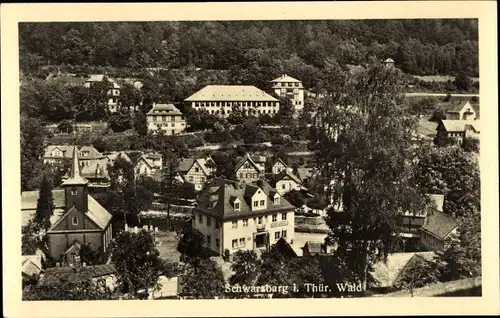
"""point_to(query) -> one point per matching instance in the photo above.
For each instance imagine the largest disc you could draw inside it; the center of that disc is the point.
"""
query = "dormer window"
(276, 200)
(74, 191)
(236, 206)
(74, 220)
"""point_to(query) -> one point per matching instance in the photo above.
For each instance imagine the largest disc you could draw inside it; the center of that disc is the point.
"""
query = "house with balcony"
(195, 171)
(287, 86)
(237, 216)
(250, 168)
(165, 118)
(222, 100)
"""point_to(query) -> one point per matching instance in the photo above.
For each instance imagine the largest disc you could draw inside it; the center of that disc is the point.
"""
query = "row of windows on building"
(295, 91)
(165, 118)
(231, 104)
(257, 220)
(241, 242)
(165, 125)
(191, 178)
(227, 112)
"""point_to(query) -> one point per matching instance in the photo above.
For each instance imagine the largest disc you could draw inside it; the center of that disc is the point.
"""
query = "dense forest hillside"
(419, 47)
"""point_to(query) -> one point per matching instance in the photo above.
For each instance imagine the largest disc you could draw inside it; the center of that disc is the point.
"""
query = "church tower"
(75, 187)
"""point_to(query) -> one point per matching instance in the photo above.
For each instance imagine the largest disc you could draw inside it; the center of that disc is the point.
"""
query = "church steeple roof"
(74, 176)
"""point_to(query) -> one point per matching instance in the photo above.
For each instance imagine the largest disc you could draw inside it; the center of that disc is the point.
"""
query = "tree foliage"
(453, 172)
(260, 49)
(137, 262)
(32, 150)
(66, 290)
(45, 203)
(205, 280)
(461, 257)
(365, 153)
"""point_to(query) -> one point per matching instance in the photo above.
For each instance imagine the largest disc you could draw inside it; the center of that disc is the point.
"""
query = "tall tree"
(191, 247)
(170, 181)
(140, 124)
(32, 151)
(364, 157)
(137, 262)
(45, 203)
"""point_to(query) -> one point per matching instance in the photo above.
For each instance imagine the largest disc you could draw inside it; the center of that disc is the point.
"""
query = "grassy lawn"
(167, 245)
(427, 128)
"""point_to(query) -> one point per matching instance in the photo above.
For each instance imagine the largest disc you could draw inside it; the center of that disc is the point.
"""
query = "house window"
(196, 169)
(242, 241)
(217, 242)
(283, 234)
(202, 179)
(277, 235)
(241, 175)
(255, 175)
(74, 191)
(262, 202)
(209, 221)
(245, 223)
(275, 217)
(236, 206)
(235, 224)
(217, 224)
(283, 186)
(249, 175)
(200, 219)
(283, 216)
(277, 200)
(260, 220)
(74, 220)
(235, 243)
(209, 240)
(191, 179)
(255, 204)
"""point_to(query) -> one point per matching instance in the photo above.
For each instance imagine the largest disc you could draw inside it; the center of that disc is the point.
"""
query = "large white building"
(235, 216)
(287, 86)
(222, 100)
(167, 118)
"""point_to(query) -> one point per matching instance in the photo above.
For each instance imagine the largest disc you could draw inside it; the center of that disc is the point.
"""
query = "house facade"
(287, 86)
(166, 118)
(458, 129)
(237, 216)
(286, 181)
(195, 171)
(148, 164)
(461, 111)
(83, 222)
(247, 170)
(222, 100)
(278, 166)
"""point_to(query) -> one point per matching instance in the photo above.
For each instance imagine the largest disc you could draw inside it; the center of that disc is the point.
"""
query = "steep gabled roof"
(456, 107)
(287, 173)
(439, 224)
(246, 158)
(281, 161)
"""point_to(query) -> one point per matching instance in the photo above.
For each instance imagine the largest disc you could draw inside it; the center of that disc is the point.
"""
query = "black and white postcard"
(339, 155)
